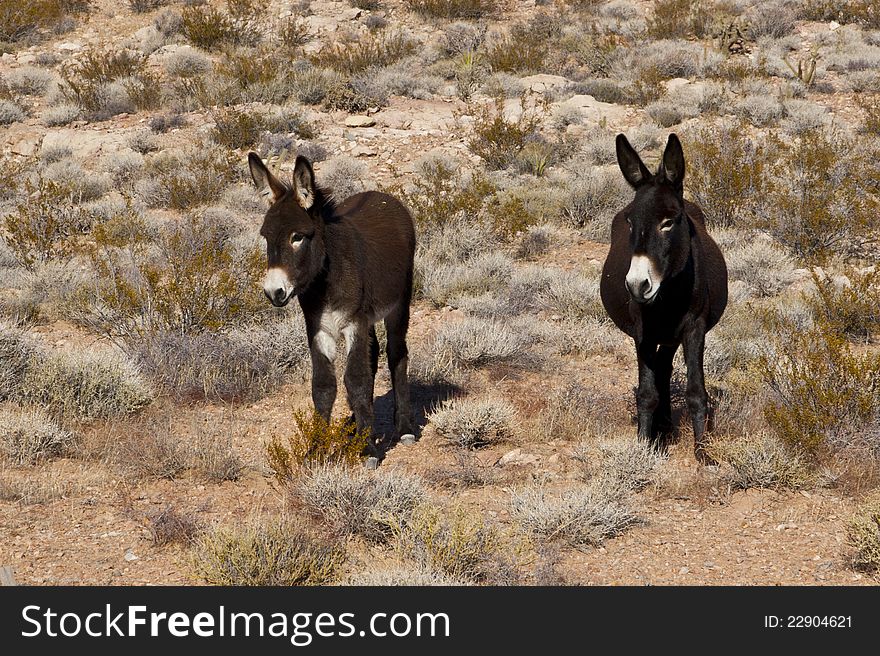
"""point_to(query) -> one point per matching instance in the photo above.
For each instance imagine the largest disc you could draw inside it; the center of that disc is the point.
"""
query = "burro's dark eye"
(666, 224)
(296, 238)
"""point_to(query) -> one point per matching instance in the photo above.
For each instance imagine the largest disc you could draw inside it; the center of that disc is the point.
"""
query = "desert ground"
(155, 422)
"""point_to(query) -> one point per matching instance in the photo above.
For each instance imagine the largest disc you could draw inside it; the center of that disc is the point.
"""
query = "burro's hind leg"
(697, 398)
(359, 377)
(396, 325)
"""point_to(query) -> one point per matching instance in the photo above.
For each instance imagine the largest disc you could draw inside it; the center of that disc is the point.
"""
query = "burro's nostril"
(644, 287)
(280, 295)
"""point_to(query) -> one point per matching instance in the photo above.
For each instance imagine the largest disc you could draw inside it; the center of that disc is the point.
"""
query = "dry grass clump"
(238, 365)
(17, 351)
(154, 447)
(584, 517)
(591, 201)
(355, 501)
(258, 554)
(401, 574)
(30, 436)
(762, 264)
(760, 460)
(458, 543)
(863, 534)
(172, 526)
(315, 442)
(565, 417)
(371, 51)
(22, 20)
(33, 487)
(85, 385)
(573, 295)
(194, 176)
(625, 464)
(476, 342)
(474, 423)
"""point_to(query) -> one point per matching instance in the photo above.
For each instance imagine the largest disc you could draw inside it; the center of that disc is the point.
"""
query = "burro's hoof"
(372, 463)
(407, 439)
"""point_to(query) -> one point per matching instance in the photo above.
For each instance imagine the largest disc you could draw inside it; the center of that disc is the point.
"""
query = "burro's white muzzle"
(642, 280)
(277, 287)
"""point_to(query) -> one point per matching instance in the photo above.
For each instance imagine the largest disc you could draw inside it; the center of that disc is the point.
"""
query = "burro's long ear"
(304, 182)
(631, 165)
(672, 164)
(267, 184)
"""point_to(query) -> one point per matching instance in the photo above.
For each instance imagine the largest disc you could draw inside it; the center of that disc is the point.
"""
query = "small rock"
(130, 556)
(408, 439)
(359, 121)
(517, 457)
(372, 463)
(352, 14)
(684, 570)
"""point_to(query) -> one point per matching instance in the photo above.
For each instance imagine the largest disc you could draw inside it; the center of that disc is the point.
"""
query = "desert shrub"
(85, 385)
(21, 20)
(11, 112)
(680, 19)
(265, 554)
(452, 9)
(187, 63)
(61, 114)
(401, 574)
(29, 436)
(498, 140)
(625, 464)
(371, 51)
(728, 172)
(314, 442)
(447, 283)
(441, 192)
(584, 517)
(458, 543)
(171, 526)
(237, 365)
(774, 20)
(17, 351)
(819, 388)
(109, 82)
(476, 342)
(344, 177)
(759, 110)
(48, 224)
(210, 28)
(293, 34)
(762, 264)
(863, 534)
(143, 6)
(592, 200)
(848, 11)
(473, 423)
(564, 417)
(194, 279)
(84, 186)
(355, 501)
(760, 460)
(852, 305)
(520, 50)
(822, 197)
(124, 166)
(573, 295)
(191, 177)
(28, 81)
(237, 129)
(32, 487)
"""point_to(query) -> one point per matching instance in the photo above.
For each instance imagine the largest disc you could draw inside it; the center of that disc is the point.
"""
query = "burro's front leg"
(359, 378)
(694, 344)
(323, 351)
(647, 395)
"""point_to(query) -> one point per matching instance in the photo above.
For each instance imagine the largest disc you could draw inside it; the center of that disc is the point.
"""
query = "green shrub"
(267, 554)
(370, 51)
(820, 389)
(853, 308)
(500, 141)
(453, 8)
(863, 534)
(315, 441)
(19, 20)
(193, 280)
(209, 28)
(48, 225)
(680, 19)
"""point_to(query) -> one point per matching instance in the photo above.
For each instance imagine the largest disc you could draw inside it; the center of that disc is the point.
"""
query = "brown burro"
(664, 284)
(350, 265)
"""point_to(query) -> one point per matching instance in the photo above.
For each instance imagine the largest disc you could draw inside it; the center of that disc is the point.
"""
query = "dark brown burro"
(350, 265)
(664, 283)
